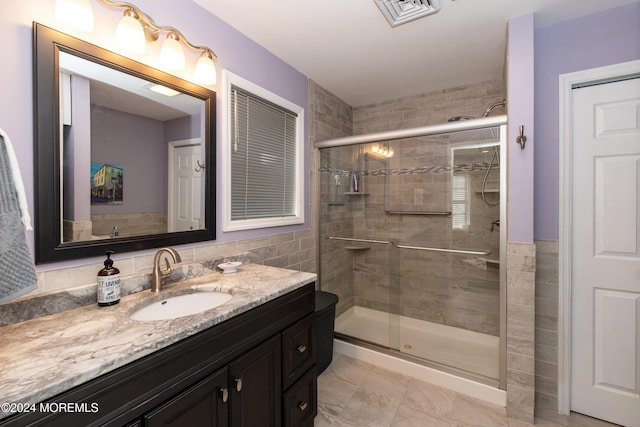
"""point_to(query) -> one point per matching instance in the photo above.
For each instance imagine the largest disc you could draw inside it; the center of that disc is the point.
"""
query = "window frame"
(230, 79)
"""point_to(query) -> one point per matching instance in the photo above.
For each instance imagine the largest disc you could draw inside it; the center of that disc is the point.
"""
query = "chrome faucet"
(158, 273)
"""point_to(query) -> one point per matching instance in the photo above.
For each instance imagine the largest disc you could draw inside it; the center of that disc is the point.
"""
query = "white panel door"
(605, 270)
(187, 182)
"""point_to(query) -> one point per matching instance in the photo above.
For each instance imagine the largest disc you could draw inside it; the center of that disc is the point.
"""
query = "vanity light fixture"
(135, 30)
(171, 53)
(130, 34)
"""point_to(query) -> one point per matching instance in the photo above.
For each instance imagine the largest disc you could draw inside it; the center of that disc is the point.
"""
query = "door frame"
(567, 82)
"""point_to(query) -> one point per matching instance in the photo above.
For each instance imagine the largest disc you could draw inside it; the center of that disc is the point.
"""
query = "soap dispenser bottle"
(108, 283)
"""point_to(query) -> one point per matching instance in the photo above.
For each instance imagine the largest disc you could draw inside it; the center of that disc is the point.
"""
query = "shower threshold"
(447, 347)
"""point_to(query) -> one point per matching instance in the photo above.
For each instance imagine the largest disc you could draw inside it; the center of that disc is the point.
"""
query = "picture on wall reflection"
(106, 184)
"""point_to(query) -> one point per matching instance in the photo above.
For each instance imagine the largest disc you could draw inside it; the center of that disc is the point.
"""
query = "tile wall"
(546, 347)
(331, 118)
(521, 383)
(296, 251)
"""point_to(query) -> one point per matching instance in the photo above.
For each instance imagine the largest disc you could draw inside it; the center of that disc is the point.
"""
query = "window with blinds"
(264, 155)
(460, 202)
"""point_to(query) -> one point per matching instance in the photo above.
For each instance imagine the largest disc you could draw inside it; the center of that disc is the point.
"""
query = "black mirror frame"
(49, 247)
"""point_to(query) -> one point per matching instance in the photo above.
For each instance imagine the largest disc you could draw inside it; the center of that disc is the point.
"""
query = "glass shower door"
(354, 254)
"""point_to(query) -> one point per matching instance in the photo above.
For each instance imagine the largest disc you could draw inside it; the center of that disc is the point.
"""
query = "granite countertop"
(43, 357)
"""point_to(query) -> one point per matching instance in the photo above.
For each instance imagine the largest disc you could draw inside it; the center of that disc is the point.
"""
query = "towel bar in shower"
(422, 248)
(426, 213)
(455, 251)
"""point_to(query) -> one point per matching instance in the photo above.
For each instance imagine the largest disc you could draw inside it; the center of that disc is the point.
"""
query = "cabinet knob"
(238, 384)
(302, 406)
(224, 394)
(302, 349)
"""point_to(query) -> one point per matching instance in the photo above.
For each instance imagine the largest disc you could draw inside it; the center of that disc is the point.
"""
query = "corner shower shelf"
(357, 248)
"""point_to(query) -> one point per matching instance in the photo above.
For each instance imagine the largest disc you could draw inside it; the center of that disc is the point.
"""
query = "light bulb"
(171, 54)
(130, 34)
(75, 13)
(205, 73)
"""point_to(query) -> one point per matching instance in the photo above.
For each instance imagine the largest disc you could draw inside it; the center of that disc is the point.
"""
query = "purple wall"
(604, 38)
(138, 145)
(235, 51)
(520, 110)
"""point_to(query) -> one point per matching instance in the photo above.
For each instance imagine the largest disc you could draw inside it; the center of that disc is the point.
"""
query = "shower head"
(497, 104)
(485, 114)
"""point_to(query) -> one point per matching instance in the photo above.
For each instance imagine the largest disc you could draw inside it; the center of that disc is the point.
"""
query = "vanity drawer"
(301, 401)
(298, 350)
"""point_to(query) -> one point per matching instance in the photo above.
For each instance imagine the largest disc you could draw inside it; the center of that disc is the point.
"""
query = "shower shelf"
(357, 248)
(353, 239)
(355, 193)
(490, 190)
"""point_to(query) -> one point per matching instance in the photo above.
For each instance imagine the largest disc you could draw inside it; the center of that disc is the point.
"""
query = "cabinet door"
(255, 382)
(204, 404)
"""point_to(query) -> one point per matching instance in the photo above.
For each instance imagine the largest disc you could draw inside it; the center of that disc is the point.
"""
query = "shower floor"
(471, 351)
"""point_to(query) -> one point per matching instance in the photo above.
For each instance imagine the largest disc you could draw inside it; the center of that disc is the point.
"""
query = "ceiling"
(349, 48)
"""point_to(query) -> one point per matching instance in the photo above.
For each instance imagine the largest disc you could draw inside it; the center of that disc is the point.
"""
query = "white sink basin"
(181, 305)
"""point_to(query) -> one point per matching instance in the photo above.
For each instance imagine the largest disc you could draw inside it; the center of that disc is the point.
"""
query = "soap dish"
(229, 267)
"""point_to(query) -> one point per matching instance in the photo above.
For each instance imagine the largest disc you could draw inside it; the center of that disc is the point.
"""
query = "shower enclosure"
(411, 231)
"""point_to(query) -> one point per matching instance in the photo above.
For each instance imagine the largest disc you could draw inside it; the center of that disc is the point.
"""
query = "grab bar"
(455, 251)
(422, 248)
(350, 239)
(443, 213)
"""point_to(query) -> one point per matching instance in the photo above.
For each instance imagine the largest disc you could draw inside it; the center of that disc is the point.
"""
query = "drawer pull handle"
(224, 393)
(238, 384)
(302, 406)
(302, 349)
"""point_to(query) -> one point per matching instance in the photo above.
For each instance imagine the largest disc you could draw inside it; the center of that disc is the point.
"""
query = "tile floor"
(355, 393)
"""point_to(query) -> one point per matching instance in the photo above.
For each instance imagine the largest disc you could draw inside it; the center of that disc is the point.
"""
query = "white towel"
(18, 272)
(17, 181)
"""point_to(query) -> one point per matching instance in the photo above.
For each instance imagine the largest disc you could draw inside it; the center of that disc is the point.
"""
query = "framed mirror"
(124, 153)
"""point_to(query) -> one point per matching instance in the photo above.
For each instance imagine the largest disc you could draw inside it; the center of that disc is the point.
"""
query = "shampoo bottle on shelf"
(355, 182)
(108, 283)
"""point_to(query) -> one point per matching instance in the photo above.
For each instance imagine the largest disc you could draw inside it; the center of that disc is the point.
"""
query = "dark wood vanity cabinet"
(204, 404)
(255, 369)
(244, 393)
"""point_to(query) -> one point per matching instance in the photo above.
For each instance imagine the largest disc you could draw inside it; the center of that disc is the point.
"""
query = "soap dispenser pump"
(108, 283)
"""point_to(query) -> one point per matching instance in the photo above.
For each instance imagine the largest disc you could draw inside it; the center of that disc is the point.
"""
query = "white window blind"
(460, 202)
(263, 158)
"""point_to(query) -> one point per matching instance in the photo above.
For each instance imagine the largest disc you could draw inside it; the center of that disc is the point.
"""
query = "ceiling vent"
(401, 11)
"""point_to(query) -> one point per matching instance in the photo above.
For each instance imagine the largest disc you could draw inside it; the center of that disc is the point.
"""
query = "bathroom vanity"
(250, 361)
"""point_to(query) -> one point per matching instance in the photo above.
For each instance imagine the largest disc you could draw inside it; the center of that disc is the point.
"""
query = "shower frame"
(450, 127)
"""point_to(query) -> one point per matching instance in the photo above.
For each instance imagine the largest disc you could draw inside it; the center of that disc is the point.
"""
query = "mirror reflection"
(132, 154)
(118, 165)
